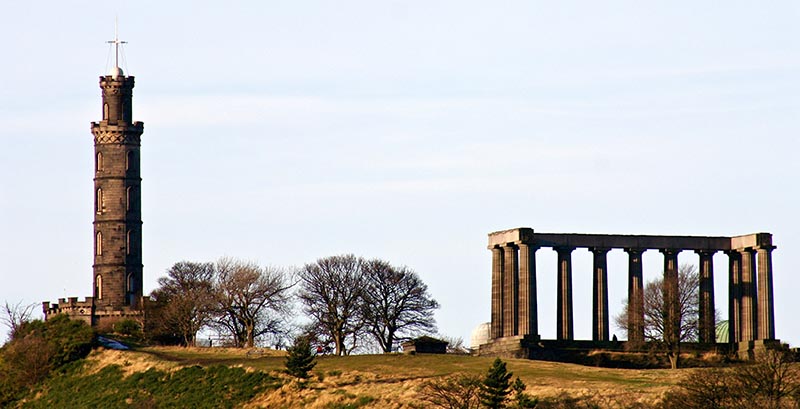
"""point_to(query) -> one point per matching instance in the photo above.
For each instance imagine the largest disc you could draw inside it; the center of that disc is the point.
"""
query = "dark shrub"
(300, 360)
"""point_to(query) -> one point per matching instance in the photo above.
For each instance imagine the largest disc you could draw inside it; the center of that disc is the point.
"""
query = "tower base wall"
(100, 318)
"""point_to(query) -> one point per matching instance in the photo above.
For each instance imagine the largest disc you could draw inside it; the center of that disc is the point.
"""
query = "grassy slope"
(386, 381)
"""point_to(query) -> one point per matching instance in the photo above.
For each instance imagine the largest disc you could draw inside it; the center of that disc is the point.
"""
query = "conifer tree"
(300, 360)
(522, 399)
(496, 386)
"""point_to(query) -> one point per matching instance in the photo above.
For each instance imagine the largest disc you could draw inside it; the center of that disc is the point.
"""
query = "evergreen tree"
(522, 399)
(496, 386)
(300, 360)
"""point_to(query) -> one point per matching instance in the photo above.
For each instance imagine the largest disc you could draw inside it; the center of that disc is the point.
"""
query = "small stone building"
(424, 345)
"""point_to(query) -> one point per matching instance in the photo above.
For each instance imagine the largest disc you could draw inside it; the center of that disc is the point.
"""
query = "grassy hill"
(220, 377)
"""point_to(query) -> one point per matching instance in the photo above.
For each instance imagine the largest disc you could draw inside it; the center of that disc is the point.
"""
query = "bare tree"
(251, 301)
(455, 345)
(704, 389)
(396, 304)
(657, 307)
(459, 391)
(331, 292)
(14, 315)
(771, 381)
(185, 299)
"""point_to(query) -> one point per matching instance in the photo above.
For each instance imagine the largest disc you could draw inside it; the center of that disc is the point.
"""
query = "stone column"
(766, 306)
(528, 309)
(672, 320)
(707, 331)
(510, 290)
(734, 296)
(635, 295)
(600, 294)
(497, 293)
(749, 308)
(564, 296)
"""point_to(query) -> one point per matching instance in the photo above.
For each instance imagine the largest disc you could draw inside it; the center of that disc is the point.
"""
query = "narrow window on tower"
(99, 201)
(128, 289)
(98, 287)
(98, 244)
(99, 162)
(128, 242)
(129, 161)
(131, 285)
(128, 199)
(105, 112)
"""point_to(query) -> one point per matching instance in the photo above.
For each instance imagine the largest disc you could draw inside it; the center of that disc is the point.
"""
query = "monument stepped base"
(598, 352)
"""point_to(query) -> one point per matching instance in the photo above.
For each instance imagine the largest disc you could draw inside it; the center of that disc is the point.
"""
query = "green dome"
(722, 332)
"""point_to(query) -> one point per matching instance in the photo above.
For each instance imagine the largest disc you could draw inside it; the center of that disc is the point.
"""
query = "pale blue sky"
(407, 130)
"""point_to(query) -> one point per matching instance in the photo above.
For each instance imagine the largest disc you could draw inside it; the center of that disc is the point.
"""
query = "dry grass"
(129, 361)
(393, 381)
(357, 389)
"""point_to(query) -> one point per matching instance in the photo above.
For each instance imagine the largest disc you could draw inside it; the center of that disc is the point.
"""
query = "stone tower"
(117, 264)
(117, 261)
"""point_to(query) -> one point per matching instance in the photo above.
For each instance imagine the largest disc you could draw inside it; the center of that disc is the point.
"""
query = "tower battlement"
(73, 308)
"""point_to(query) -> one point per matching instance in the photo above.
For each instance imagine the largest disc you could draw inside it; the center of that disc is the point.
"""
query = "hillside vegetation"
(167, 377)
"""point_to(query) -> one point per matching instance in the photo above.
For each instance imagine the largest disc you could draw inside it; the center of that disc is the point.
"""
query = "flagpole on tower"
(116, 41)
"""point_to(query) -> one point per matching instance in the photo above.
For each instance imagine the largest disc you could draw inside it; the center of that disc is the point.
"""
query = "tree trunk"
(673, 360)
(339, 342)
(389, 341)
(251, 339)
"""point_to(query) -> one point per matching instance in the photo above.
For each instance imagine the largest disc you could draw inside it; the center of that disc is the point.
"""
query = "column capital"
(766, 247)
(706, 252)
(732, 252)
(530, 246)
(501, 246)
(599, 250)
(670, 252)
(635, 250)
(564, 249)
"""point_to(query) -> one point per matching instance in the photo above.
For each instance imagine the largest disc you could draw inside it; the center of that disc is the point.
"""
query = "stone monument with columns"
(514, 323)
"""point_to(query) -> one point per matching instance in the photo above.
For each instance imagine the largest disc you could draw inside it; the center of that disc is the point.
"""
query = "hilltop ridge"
(222, 377)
